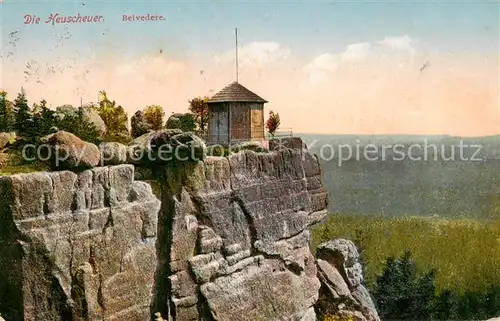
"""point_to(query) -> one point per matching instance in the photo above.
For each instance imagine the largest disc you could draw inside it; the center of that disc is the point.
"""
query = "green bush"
(78, 125)
(401, 294)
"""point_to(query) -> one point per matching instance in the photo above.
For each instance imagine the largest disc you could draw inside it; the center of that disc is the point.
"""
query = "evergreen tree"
(78, 125)
(6, 118)
(43, 119)
(401, 294)
(22, 113)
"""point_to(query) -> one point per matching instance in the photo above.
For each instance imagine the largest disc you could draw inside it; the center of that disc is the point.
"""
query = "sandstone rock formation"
(77, 246)
(228, 240)
(238, 248)
(342, 291)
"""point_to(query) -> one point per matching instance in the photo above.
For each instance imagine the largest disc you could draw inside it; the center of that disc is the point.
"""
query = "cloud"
(403, 43)
(356, 52)
(256, 53)
(320, 67)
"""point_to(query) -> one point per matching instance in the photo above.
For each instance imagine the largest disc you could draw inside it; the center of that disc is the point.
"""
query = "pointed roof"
(235, 92)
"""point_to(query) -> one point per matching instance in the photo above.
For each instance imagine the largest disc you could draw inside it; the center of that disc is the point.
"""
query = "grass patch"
(464, 252)
(21, 169)
(13, 163)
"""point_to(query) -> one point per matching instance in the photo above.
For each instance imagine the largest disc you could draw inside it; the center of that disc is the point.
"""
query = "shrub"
(401, 294)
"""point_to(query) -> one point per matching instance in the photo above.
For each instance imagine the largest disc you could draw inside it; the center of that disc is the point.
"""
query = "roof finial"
(236, 34)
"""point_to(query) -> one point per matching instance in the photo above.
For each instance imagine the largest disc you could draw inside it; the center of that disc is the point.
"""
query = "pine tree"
(22, 113)
(401, 294)
(5, 113)
(43, 119)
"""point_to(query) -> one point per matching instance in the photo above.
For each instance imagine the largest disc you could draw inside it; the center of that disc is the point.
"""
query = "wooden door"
(223, 125)
(219, 124)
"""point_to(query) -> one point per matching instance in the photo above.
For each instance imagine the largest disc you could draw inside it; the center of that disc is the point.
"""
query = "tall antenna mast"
(236, 33)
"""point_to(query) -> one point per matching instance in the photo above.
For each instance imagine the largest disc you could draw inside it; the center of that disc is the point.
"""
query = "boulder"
(66, 110)
(139, 125)
(165, 146)
(174, 121)
(239, 237)
(342, 285)
(185, 122)
(92, 116)
(6, 139)
(113, 153)
(63, 150)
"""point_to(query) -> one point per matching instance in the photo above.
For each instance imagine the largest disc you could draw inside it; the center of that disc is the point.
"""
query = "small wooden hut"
(235, 115)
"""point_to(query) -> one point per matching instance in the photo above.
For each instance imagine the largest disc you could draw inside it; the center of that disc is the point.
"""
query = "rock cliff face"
(77, 246)
(228, 240)
(238, 247)
(342, 290)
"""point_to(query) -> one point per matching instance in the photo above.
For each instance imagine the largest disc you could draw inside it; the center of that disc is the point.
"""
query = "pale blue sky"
(200, 28)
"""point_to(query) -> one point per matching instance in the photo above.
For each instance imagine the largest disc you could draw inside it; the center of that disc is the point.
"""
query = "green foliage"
(185, 122)
(114, 116)
(22, 113)
(33, 124)
(467, 306)
(461, 255)
(188, 122)
(42, 120)
(18, 165)
(6, 113)
(401, 294)
(450, 246)
(78, 125)
(199, 108)
(153, 115)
